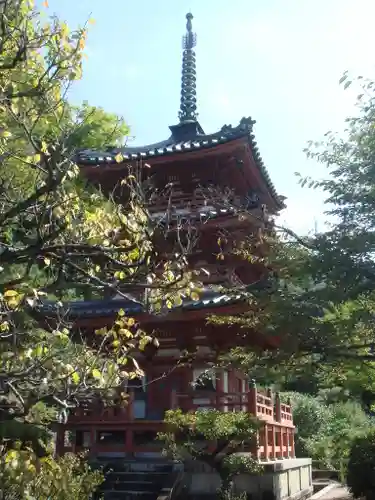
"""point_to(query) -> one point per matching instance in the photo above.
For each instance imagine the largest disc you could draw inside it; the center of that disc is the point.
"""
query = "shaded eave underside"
(170, 147)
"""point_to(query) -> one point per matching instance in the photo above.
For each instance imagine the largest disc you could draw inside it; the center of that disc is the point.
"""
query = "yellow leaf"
(11, 455)
(10, 293)
(96, 373)
(131, 322)
(144, 341)
(36, 158)
(194, 296)
(169, 304)
(121, 312)
(91, 21)
(126, 333)
(178, 301)
(116, 343)
(119, 158)
(101, 331)
(13, 303)
(4, 326)
(76, 378)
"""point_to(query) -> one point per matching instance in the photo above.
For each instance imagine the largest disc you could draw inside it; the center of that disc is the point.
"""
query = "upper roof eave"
(170, 147)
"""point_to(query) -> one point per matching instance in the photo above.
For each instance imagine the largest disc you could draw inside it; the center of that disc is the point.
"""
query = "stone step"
(130, 495)
(133, 466)
(325, 474)
(139, 474)
(127, 480)
(134, 479)
(133, 487)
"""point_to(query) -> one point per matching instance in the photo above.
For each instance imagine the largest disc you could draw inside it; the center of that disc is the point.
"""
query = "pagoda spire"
(188, 105)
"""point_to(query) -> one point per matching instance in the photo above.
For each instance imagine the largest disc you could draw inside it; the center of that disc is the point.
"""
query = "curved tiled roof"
(194, 140)
(208, 299)
(98, 308)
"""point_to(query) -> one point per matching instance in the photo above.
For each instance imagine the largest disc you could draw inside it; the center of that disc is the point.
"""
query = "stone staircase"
(134, 480)
(321, 478)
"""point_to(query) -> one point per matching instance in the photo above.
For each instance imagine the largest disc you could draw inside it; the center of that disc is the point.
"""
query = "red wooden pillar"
(188, 387)
(129, 440)
(74, 440)
(252, 399)
(282, 442)
(174, 400)
(287, 434)
(277, 408)
(273, 453)
(266, 448)
(293, 453)
(130, 407)
(219, 391)
(59, 446)
(92, 439)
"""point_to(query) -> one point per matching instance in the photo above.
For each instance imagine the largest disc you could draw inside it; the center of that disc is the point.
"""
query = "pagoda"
(212, 175)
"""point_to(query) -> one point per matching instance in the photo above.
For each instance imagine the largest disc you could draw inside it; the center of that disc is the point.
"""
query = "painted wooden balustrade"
(276, 436)
(275, 439)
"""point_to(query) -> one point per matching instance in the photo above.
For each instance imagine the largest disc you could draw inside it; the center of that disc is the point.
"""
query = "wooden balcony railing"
(265, 406)
(275, 438)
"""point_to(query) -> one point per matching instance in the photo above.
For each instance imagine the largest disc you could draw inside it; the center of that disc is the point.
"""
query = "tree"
(215, 438)
(60, 238)
(321, 308)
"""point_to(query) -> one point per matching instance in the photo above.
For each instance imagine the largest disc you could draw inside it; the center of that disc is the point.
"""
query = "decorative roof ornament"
(188, 105)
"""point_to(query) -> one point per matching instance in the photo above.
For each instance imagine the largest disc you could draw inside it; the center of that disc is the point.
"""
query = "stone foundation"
(281, 480)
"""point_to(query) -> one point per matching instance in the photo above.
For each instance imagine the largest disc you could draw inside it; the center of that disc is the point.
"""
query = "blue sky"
(278, 61)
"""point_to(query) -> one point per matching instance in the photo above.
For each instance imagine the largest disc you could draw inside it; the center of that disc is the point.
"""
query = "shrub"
(309, 416)
(361, 466)
(326, 432)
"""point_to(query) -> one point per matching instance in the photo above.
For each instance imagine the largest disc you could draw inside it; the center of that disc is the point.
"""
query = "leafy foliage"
(215, 438)
(67, 478)
(361, 466)
(325, 431)
(321, 308)
(61, 239)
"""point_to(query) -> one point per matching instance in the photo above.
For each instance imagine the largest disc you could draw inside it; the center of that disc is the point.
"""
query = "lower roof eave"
(99, 321)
